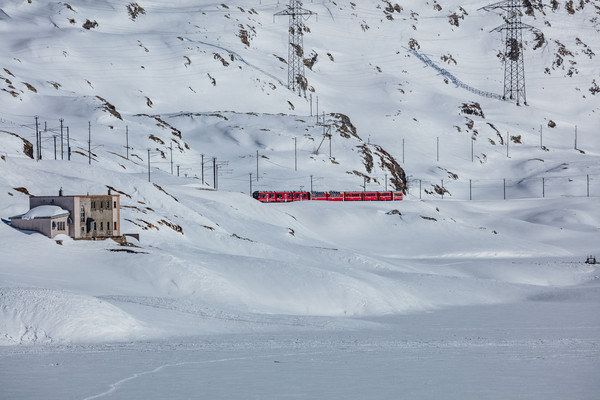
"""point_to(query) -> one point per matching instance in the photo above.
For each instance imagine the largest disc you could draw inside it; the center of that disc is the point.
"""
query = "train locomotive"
(287, 197)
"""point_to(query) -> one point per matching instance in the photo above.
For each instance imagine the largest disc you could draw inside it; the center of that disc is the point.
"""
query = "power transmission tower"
(296, 80)
(514, 66)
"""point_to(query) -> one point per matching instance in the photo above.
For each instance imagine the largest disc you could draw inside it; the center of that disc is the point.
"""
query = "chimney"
(60, 192)
(109, 193)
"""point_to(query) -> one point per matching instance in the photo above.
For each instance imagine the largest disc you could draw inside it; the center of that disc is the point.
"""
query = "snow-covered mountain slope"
(195, 81)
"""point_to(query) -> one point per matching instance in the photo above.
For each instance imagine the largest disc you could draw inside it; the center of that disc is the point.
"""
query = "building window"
(101, 226)
(53, 225)
(93, 205)
(114, 204)
(94, 226)
(101, 204)
(107, 204)
(115, 226)
(82, 214)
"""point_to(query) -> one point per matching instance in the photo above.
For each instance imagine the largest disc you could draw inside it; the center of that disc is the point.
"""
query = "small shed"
(47, 219)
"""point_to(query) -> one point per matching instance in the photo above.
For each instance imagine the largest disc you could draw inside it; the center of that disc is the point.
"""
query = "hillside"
(474, 286)
(187, 84)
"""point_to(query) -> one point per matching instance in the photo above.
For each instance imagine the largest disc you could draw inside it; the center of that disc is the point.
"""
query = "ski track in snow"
(114, 387)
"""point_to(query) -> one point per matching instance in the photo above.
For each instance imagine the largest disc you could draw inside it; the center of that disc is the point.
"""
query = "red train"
(286, 197)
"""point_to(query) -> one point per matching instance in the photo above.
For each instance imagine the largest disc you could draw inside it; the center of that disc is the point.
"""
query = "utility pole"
(250, 183)
(215, 172)
(68, 145)
(575, 137)
(148, 165)
(311, 183)
(90, 147)
(45, 130)
(203, 169)
(326, 134)
(37, 139)
(127, 140)
(329, 141)
(256, 165)
(588, 185)
(62, 155)
(296, 80)
(442, 189)
(470, 190)
(171, 148)
(514, 66)
(402, 150)
(295, 155)
(54, 136)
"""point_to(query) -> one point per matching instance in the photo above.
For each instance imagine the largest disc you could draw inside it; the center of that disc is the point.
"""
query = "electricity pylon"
(296, 80)
(514, 66)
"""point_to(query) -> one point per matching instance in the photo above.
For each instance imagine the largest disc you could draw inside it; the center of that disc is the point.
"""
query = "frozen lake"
(546, 348)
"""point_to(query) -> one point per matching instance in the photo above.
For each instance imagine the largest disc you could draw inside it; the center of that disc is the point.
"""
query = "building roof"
(43, 212)
(75, 195)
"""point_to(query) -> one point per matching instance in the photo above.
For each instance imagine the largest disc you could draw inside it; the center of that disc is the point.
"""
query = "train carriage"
(318, 196)
(353, 196)
(286, 197)
(335, 196)
(370, 196)
(385, 196)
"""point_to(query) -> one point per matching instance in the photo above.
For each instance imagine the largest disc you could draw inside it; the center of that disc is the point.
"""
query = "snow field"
(227, 298)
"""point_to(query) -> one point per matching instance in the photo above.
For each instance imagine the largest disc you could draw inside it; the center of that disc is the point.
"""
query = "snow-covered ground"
(225, 297)
(545, 348)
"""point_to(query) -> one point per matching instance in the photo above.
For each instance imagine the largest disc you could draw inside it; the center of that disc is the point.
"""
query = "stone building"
(88, 216)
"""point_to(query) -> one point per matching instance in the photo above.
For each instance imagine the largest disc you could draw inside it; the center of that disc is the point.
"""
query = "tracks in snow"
(427, 61)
